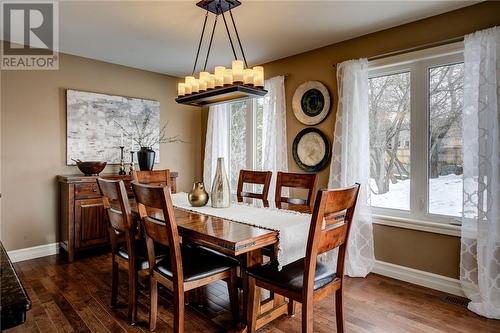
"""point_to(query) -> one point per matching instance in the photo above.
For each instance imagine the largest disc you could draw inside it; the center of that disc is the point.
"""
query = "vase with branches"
(147, 136)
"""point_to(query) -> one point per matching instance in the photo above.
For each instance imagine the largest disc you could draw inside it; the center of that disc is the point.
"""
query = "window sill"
(407, 223)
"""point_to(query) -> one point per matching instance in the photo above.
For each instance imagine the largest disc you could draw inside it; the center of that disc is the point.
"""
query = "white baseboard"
(33, 252)
(418, 277)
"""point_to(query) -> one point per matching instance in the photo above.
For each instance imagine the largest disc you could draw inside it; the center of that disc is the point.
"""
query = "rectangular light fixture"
(221, 95)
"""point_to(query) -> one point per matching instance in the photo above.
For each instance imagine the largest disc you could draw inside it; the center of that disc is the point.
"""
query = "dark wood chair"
(254, 177)
(126, 244)
(185, 267)
(154, 177)
(305, 181)
(307, 280)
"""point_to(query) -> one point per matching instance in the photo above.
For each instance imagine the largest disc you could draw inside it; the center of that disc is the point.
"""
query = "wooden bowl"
(91, 168)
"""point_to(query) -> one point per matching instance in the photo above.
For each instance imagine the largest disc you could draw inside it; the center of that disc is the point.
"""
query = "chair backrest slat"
(158, 218)
(332, 238)
(118, 211)
(330, 224)
(154, 177)
(305, 181)
(254, 177)
(155, 229)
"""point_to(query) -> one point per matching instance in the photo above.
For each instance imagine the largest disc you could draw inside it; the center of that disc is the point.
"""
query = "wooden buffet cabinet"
(82, 222)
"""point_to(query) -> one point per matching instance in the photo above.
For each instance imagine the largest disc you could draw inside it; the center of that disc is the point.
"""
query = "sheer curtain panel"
(351, 160)
(217, 142)
(480, 250)
(274, 143)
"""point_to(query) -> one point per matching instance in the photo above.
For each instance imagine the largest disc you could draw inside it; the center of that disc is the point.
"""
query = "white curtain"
(274, 143)
(217, 142)
(480, 253)
(351, 160)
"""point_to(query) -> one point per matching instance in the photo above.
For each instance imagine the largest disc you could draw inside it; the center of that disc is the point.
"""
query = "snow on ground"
(445, 195)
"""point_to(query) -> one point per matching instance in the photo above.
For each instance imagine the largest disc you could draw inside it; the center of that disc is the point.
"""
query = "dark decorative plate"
(311, 102)
(311, 150)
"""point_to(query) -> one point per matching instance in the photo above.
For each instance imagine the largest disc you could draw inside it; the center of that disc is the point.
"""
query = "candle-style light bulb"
(202, 83)
(204, 75)
(258, 76)
(195, 86)
(237, 70)
(181, 89)
(219, 76)
(211, 82)
(188, 88)
(248, 76)
(228, 77)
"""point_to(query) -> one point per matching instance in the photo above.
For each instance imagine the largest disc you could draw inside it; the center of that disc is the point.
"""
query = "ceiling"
(162, 36)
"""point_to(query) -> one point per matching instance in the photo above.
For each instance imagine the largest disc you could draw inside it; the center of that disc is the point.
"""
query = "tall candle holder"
(132, 164)
(122, 162)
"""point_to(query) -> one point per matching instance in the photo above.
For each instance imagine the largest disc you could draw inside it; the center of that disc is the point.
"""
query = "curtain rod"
(413, 49)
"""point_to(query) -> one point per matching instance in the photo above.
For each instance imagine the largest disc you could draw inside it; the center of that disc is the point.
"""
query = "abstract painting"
(98, 124)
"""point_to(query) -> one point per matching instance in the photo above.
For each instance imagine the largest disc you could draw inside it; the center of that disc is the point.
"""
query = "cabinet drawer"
(86, 191)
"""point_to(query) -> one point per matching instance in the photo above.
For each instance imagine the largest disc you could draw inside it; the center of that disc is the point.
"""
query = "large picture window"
(415, 110)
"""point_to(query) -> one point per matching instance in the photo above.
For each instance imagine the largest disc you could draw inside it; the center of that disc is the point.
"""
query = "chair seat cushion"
(291, 277)
(141, 253)
(197, 263)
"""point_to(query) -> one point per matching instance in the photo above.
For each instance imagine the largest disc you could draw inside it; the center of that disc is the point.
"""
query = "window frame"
(418, 64)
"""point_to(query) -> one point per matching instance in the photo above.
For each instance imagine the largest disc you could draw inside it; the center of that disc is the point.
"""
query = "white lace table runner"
(293, 227)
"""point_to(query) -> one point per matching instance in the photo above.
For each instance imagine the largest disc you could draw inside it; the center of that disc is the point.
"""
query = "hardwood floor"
(75, 298)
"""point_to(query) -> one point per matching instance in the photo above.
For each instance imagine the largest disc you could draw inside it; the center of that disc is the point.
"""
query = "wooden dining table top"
(227, 236)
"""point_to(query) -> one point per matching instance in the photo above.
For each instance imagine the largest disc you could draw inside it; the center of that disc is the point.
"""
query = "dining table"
(244, 241)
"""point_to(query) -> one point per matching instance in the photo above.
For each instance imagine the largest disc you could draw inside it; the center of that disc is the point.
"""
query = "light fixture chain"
(229, 36)
(210, 44)
(199, 44)
(238, 37)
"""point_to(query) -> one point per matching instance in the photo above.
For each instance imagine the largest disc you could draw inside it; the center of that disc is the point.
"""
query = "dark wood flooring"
(75, 298)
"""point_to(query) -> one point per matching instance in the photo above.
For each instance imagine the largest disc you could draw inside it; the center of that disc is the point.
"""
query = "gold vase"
(198, 197)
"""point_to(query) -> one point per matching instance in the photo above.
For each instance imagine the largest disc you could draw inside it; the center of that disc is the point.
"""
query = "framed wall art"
(97, 124)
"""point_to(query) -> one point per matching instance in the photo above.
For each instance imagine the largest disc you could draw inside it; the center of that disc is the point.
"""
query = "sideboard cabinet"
(82, 221)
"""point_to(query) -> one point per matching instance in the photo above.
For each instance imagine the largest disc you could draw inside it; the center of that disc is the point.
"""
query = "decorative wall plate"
(311, 149)
(311, 102)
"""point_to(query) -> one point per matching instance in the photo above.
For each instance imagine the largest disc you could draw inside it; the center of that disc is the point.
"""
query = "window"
(445, 139)
(415, 110)
(245, 139)
(389, 129)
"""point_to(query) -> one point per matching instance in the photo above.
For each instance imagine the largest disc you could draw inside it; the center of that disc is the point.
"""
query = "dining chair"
(308, 280)
(185, 267)
(153, 177)
(126, 244)
(305, 181)
(254, 177)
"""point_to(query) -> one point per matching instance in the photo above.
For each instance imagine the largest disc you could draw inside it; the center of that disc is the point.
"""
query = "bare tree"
(389, 103)
(445, 109)
(389, 119)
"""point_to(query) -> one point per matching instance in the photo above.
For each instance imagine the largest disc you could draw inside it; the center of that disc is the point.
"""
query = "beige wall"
(33, 138)
(439, 253)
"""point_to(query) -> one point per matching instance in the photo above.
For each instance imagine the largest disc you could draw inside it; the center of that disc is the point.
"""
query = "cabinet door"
(90, 223)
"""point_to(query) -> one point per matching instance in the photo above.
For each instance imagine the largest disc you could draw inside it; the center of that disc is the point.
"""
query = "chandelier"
(224, 84)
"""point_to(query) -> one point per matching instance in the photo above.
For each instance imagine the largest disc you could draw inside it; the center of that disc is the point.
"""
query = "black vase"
(146, 158)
